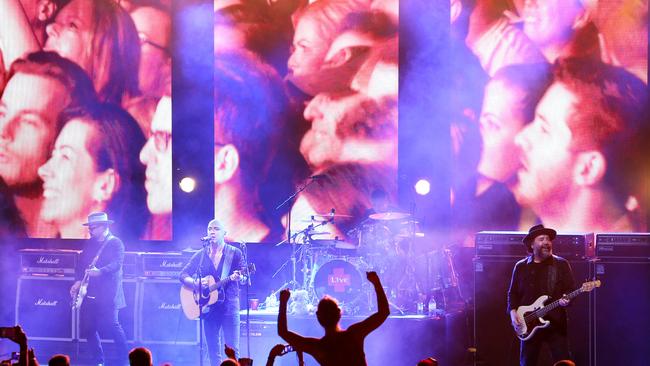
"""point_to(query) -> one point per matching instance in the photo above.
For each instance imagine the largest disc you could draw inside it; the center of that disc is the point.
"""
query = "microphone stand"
(289, 238)
(244, 250)
(199, 273)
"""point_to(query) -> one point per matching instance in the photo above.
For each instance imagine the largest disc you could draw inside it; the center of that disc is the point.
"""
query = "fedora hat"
(98, 218)
(536, 231)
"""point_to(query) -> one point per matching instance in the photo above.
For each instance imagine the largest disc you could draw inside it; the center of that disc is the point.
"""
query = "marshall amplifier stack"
(151, 287)
(508, 244)
(164, 265)
(48, 262)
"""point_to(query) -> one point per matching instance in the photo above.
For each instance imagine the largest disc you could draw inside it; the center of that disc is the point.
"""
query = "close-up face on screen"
(556, 95)
(85, 118)
(317, 135)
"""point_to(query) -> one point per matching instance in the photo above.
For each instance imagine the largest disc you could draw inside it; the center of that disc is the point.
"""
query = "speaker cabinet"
(43, 307)
(621, 312)
(127, 315)
(162, 319)
(496, 343)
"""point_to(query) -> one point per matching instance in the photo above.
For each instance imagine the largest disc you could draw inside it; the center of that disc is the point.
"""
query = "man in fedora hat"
(541, 273)
(101, 260)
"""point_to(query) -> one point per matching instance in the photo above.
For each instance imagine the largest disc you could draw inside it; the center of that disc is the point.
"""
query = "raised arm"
(294, 339)
(16, 34)
(383, 311)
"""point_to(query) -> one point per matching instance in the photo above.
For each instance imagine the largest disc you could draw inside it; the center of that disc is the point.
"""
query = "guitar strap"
(552, 277)
(101, 249)
(227, 262)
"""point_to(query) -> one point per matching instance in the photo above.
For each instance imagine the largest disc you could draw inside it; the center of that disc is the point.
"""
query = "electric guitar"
(533, 313)
(78, 298)
(193, 300)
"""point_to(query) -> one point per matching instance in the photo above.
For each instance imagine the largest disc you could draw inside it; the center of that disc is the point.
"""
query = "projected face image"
(500, 121)
(70, 177)
(548, 22)
(154, 28)
(27, 120)
(156, 155)
(547, 162)
(72, 31)
(321, 144)
(309, 49)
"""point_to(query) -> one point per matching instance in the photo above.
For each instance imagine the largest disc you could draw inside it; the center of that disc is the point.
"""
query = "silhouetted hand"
(32, 358)
(230, 352)
(276, 350)
(285, 295)
(373, 278)
(19, 336)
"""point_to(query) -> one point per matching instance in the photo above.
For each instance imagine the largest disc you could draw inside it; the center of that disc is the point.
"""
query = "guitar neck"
(541, 312)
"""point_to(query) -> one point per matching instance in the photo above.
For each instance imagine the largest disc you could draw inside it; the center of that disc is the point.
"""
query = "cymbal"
(389, 216)
(327, 215)
(318, 233)
(322, 218)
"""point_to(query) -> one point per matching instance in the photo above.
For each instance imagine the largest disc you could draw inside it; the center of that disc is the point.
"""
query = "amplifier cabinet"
(634, 246)
(54, 262)
(161, 316)
(508, 244)
(164, 264)
(44, 308)
(127, 316)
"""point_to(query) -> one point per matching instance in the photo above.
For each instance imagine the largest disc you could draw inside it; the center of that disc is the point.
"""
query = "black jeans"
(557, 342)
(97, 317)
(225, 317)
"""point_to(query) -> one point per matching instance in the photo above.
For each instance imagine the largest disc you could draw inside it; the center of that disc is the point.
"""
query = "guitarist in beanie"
(98, 291)
(541, 273)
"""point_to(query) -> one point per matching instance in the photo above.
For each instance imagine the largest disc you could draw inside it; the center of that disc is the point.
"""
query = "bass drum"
(339, 279)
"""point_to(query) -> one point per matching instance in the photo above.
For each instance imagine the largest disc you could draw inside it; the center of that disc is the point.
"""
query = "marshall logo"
(166, 306)
(43, 302)
(48, 260)
(168, 264)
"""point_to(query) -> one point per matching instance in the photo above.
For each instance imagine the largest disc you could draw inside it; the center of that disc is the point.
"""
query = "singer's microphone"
(332, 212)
(205, 238)
(318, 176)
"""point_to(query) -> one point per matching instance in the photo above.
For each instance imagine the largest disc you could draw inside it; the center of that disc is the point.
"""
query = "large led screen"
(551, 116)
(85, 117)
(305, 98)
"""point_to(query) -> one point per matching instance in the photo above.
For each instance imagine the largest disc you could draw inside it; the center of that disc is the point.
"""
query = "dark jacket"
(531, 280)
(106, 288)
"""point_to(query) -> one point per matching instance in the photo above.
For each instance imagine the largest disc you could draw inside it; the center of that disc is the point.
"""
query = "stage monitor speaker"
(162, 319)
(127, 315)
(43, 307)
(494, 338)
(621, 312)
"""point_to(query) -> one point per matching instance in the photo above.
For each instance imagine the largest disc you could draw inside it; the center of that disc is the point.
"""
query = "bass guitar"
(210, 293)
(533, 313)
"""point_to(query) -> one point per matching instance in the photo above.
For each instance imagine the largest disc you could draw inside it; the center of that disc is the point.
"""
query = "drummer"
(380, 203)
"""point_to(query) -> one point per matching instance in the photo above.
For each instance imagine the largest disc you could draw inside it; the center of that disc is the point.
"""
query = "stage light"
(187, 184)
(422, 187)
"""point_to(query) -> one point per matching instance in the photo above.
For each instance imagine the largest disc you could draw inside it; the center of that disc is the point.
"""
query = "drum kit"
(383, 243)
